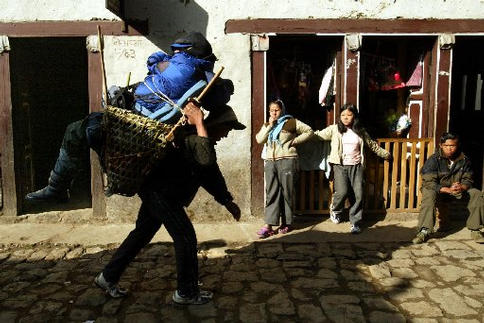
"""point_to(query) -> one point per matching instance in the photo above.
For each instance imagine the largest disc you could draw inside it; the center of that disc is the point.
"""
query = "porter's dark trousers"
(155, 211)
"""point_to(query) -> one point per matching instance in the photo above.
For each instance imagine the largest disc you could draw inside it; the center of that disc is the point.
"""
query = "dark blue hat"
(195, 44)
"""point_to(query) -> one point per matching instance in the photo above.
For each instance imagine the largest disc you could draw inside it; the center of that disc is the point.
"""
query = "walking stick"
(198, 99)
(103, 70)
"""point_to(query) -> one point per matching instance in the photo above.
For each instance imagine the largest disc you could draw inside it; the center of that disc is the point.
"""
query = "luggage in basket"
(133, 145)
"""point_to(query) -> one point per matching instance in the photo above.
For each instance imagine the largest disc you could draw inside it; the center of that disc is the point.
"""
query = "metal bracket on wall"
(92, 43)
(4, 44)
(259, 43)
(446, 41)
(353, 41)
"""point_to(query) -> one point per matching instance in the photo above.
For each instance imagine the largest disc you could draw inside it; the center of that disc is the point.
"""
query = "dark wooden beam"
(72, 28)
(257, 118)
(351, 69)
(295, 26)
(6, 140)
(95, 96)
(443, 91)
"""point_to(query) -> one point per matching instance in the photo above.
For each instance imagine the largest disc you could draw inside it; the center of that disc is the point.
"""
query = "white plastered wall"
(170, 18)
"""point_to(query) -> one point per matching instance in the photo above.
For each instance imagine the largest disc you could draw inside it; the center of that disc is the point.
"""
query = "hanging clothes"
(415, 79)
(327, 87)
(313, 155)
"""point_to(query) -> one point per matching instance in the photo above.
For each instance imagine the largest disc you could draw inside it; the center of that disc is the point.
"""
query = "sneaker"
(202, 297)
(421, 237)
(355, 229)
(265, 232)
(112, 289)
(334, 218)
(283, 229)
(477, 236)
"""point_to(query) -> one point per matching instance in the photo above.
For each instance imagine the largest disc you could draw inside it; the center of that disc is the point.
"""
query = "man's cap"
(195, 44)
(224, 115)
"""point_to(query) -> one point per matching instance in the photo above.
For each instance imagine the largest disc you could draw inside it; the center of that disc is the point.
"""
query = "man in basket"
(164, 89)
(173, 183)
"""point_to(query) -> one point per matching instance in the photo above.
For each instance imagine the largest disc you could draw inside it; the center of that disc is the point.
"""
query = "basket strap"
(165, 114)
(160, 94)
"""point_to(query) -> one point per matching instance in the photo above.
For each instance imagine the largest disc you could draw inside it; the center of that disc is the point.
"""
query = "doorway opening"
(296, 65)
(467, 98)
(394, 84)
(49, 90)
(304, 71)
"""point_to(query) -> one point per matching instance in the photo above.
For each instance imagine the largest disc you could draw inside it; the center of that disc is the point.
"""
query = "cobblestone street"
(276, 280)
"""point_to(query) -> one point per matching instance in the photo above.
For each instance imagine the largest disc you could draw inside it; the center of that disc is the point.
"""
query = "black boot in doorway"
(55, 191)
(59, 182)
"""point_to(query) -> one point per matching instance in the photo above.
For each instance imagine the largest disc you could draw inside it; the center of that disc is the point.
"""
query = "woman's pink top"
(351, 148)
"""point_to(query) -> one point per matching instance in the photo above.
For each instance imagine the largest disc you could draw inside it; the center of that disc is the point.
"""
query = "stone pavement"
(317, 273)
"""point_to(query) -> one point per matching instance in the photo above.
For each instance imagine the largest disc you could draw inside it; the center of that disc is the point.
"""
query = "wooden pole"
(170, 135)
(103, 70)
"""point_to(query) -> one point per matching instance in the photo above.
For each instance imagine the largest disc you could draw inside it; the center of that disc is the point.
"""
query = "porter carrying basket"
(133, 145)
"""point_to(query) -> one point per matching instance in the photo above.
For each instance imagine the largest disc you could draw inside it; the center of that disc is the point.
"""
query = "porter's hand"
(233, 209)
(193, 114)
(195, 117)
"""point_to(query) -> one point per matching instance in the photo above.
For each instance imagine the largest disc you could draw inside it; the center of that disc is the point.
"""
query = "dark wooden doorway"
(49, 90)
(467, 100)
(387, 65)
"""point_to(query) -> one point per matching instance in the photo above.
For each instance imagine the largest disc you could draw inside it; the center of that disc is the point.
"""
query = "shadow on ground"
(271, 280)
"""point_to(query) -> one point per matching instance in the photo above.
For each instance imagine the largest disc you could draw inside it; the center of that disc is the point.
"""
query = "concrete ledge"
(226, 233)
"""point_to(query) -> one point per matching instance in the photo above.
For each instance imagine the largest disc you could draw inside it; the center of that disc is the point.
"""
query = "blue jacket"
(181, 73)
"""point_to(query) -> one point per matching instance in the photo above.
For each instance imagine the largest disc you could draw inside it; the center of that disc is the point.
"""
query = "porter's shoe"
(477, 236)
(111, 288)
(421, 237)
(202, 297)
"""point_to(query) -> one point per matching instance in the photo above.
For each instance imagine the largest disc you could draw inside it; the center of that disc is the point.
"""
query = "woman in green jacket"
(280, 135)
(347, 159)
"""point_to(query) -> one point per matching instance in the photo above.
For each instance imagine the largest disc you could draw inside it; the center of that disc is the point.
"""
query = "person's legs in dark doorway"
(475, 221)
(73, 153)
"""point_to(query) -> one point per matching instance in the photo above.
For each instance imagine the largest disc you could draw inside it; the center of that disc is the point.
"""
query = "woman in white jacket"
(347, 158)
(281, 134)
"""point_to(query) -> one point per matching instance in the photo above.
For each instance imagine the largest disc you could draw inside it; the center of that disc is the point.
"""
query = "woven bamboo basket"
(133, 145)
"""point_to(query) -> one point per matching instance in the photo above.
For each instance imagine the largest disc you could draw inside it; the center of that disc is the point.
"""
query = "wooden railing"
(390, 186)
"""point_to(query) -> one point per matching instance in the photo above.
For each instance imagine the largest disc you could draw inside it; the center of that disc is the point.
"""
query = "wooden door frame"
(53, 29)
(425, 27)
(258, 74)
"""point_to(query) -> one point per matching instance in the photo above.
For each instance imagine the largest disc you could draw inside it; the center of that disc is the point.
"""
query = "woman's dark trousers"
(348, 179)
(280, 176)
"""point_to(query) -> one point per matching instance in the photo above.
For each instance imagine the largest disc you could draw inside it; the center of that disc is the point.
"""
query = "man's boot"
(59, 181)
(55, 191)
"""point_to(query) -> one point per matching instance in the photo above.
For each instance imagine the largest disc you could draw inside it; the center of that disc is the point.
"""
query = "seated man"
(446, 177)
